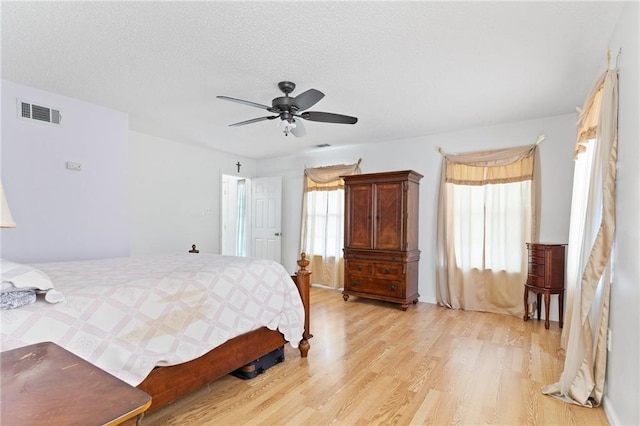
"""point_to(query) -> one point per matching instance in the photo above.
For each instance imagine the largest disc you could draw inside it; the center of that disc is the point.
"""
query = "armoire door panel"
(388, 234)
(359, 217)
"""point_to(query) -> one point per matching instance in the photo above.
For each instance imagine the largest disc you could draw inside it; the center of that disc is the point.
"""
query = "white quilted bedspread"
(128, 315)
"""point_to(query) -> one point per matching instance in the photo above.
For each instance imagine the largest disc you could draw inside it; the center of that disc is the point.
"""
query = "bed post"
(303, 283)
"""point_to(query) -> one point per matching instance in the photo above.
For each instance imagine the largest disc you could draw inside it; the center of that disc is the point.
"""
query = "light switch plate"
(74, 166)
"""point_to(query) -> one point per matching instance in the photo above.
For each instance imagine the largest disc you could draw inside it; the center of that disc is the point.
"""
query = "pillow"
(24, 277)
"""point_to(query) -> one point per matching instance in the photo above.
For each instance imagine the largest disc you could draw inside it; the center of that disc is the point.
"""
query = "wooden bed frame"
(166, 384)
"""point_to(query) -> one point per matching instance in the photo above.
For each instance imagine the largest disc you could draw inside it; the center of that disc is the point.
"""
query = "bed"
(165, 324)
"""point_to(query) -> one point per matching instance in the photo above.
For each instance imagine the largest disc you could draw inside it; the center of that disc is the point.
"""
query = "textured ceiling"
(405, 69)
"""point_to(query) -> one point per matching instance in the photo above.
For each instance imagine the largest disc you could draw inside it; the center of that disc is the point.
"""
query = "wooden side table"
(44, 384)
(545, 277)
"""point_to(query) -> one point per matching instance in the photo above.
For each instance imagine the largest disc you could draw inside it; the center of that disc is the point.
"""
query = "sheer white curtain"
(579, 230)
(322, 236)
(590, 247)
(486, 214)
(325, 236)
(490, 224)
(241, 219)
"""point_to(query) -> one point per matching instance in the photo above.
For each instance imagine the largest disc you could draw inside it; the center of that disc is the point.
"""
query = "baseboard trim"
(609, 412)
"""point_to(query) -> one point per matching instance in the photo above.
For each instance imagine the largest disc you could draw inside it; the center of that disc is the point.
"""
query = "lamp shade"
(6, 220)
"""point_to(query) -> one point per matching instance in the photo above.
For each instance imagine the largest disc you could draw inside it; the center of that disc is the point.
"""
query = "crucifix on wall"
(238, 164)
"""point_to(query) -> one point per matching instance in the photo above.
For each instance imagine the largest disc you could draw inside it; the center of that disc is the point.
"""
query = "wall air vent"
(43, 114)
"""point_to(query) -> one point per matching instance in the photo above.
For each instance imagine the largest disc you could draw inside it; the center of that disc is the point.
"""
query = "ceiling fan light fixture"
(287, 123)
(287, 126)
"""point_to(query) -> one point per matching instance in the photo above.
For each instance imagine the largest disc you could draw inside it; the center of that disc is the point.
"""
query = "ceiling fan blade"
(298, 131)
(307, 99)
(253, 104)
(253, 120)
(327, 117)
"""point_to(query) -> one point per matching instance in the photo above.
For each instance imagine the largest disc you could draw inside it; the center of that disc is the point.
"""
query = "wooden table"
(44, 384)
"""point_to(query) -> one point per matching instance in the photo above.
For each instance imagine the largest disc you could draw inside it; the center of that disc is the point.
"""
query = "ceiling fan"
(289, 109)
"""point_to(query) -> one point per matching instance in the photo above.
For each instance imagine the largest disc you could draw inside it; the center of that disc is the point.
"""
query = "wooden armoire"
(381, 236)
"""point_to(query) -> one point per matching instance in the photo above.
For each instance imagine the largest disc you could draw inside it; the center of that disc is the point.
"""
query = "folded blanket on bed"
(16, 298)
(16, 277)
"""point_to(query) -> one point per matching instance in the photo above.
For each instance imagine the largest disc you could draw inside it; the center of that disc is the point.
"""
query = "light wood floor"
(370, 363)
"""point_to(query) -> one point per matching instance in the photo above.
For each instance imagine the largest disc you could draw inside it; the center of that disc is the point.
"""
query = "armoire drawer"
(380, 287)
(358, 267)
(389, 271)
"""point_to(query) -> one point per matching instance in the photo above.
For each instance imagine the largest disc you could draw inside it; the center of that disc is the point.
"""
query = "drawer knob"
(387, 271)
(393, 288)
(354, 283)
(359, 268)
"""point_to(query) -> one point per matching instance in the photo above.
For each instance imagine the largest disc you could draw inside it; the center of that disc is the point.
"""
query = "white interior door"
(266, 203)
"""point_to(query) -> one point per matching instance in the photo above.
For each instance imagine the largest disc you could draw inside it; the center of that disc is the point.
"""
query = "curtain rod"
(609, 58)
(541, 137)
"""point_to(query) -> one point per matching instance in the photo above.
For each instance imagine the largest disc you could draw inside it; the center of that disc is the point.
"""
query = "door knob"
(278, 234)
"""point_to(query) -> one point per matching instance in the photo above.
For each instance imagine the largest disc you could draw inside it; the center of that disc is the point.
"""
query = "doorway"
(251, 217)
(234, 204)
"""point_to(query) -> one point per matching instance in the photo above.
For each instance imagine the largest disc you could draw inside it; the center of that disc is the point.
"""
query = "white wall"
(175, 194)
(421, 154)
(623, 363)
(63, 214)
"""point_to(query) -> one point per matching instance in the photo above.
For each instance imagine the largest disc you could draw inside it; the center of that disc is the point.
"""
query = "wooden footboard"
(166, 384)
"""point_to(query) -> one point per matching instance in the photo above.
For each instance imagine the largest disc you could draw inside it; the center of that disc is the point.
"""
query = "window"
(322, 233)
(486, 216)
(325, 219)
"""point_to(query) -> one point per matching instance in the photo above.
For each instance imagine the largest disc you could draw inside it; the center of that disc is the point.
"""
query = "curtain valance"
(328, 178)
(491, 167)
